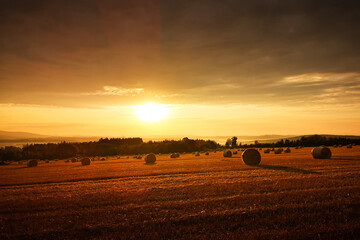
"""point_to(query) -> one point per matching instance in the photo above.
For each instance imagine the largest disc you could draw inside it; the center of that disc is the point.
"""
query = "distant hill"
(270, 138)
(20, 135)
(21, 138)
(294, 138)
(222, 139)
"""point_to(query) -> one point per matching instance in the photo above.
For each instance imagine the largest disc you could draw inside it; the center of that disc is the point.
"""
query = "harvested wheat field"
(288, 196)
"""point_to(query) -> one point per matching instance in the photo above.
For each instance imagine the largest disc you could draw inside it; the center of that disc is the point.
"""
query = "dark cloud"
(262, 39)
(201, 51)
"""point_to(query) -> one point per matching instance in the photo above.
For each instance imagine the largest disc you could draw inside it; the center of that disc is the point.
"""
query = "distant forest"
(305, 141)
(131, 146)
(103, 147)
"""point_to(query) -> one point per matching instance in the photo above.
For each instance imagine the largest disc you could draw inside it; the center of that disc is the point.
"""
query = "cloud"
(111, 90)
(232, 52)
(311, 78)
(305, 90)
(319, 89)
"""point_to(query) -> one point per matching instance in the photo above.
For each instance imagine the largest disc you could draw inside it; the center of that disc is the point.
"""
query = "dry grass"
(288, 196)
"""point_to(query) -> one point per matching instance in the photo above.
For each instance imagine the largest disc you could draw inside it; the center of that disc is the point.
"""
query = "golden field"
(289, 196)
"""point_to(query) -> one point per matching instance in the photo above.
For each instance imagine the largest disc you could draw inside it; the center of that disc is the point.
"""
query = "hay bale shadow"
(150, 164)
(287, 169)
(354, 158)
(18, 167)
(76, 166)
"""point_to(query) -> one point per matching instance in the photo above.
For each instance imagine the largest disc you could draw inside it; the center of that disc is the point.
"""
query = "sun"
(152, 112)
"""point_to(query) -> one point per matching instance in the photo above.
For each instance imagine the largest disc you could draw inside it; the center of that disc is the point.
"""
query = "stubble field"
(289, 196)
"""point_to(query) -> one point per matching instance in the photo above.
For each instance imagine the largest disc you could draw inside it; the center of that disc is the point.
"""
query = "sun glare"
(151, 112)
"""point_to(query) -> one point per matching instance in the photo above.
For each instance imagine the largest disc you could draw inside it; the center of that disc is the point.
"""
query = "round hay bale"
(207, 153)
(73, 160)
(287, 150)
(150, 158)
(197, 154)
(32, 163)
(278, 151)
(227, 153)
(235, 152)
(85, 161)
(251, 157)
(321, 153)
(267, 150)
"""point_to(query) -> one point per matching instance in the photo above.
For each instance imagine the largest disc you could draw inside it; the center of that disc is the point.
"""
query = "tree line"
(306, 141)
(103, 147)
(130, 146)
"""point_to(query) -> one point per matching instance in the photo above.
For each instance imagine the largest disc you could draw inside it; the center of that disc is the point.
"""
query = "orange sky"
(219, 67)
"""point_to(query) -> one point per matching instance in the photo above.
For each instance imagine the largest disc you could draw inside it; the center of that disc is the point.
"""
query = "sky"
(220, 68)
